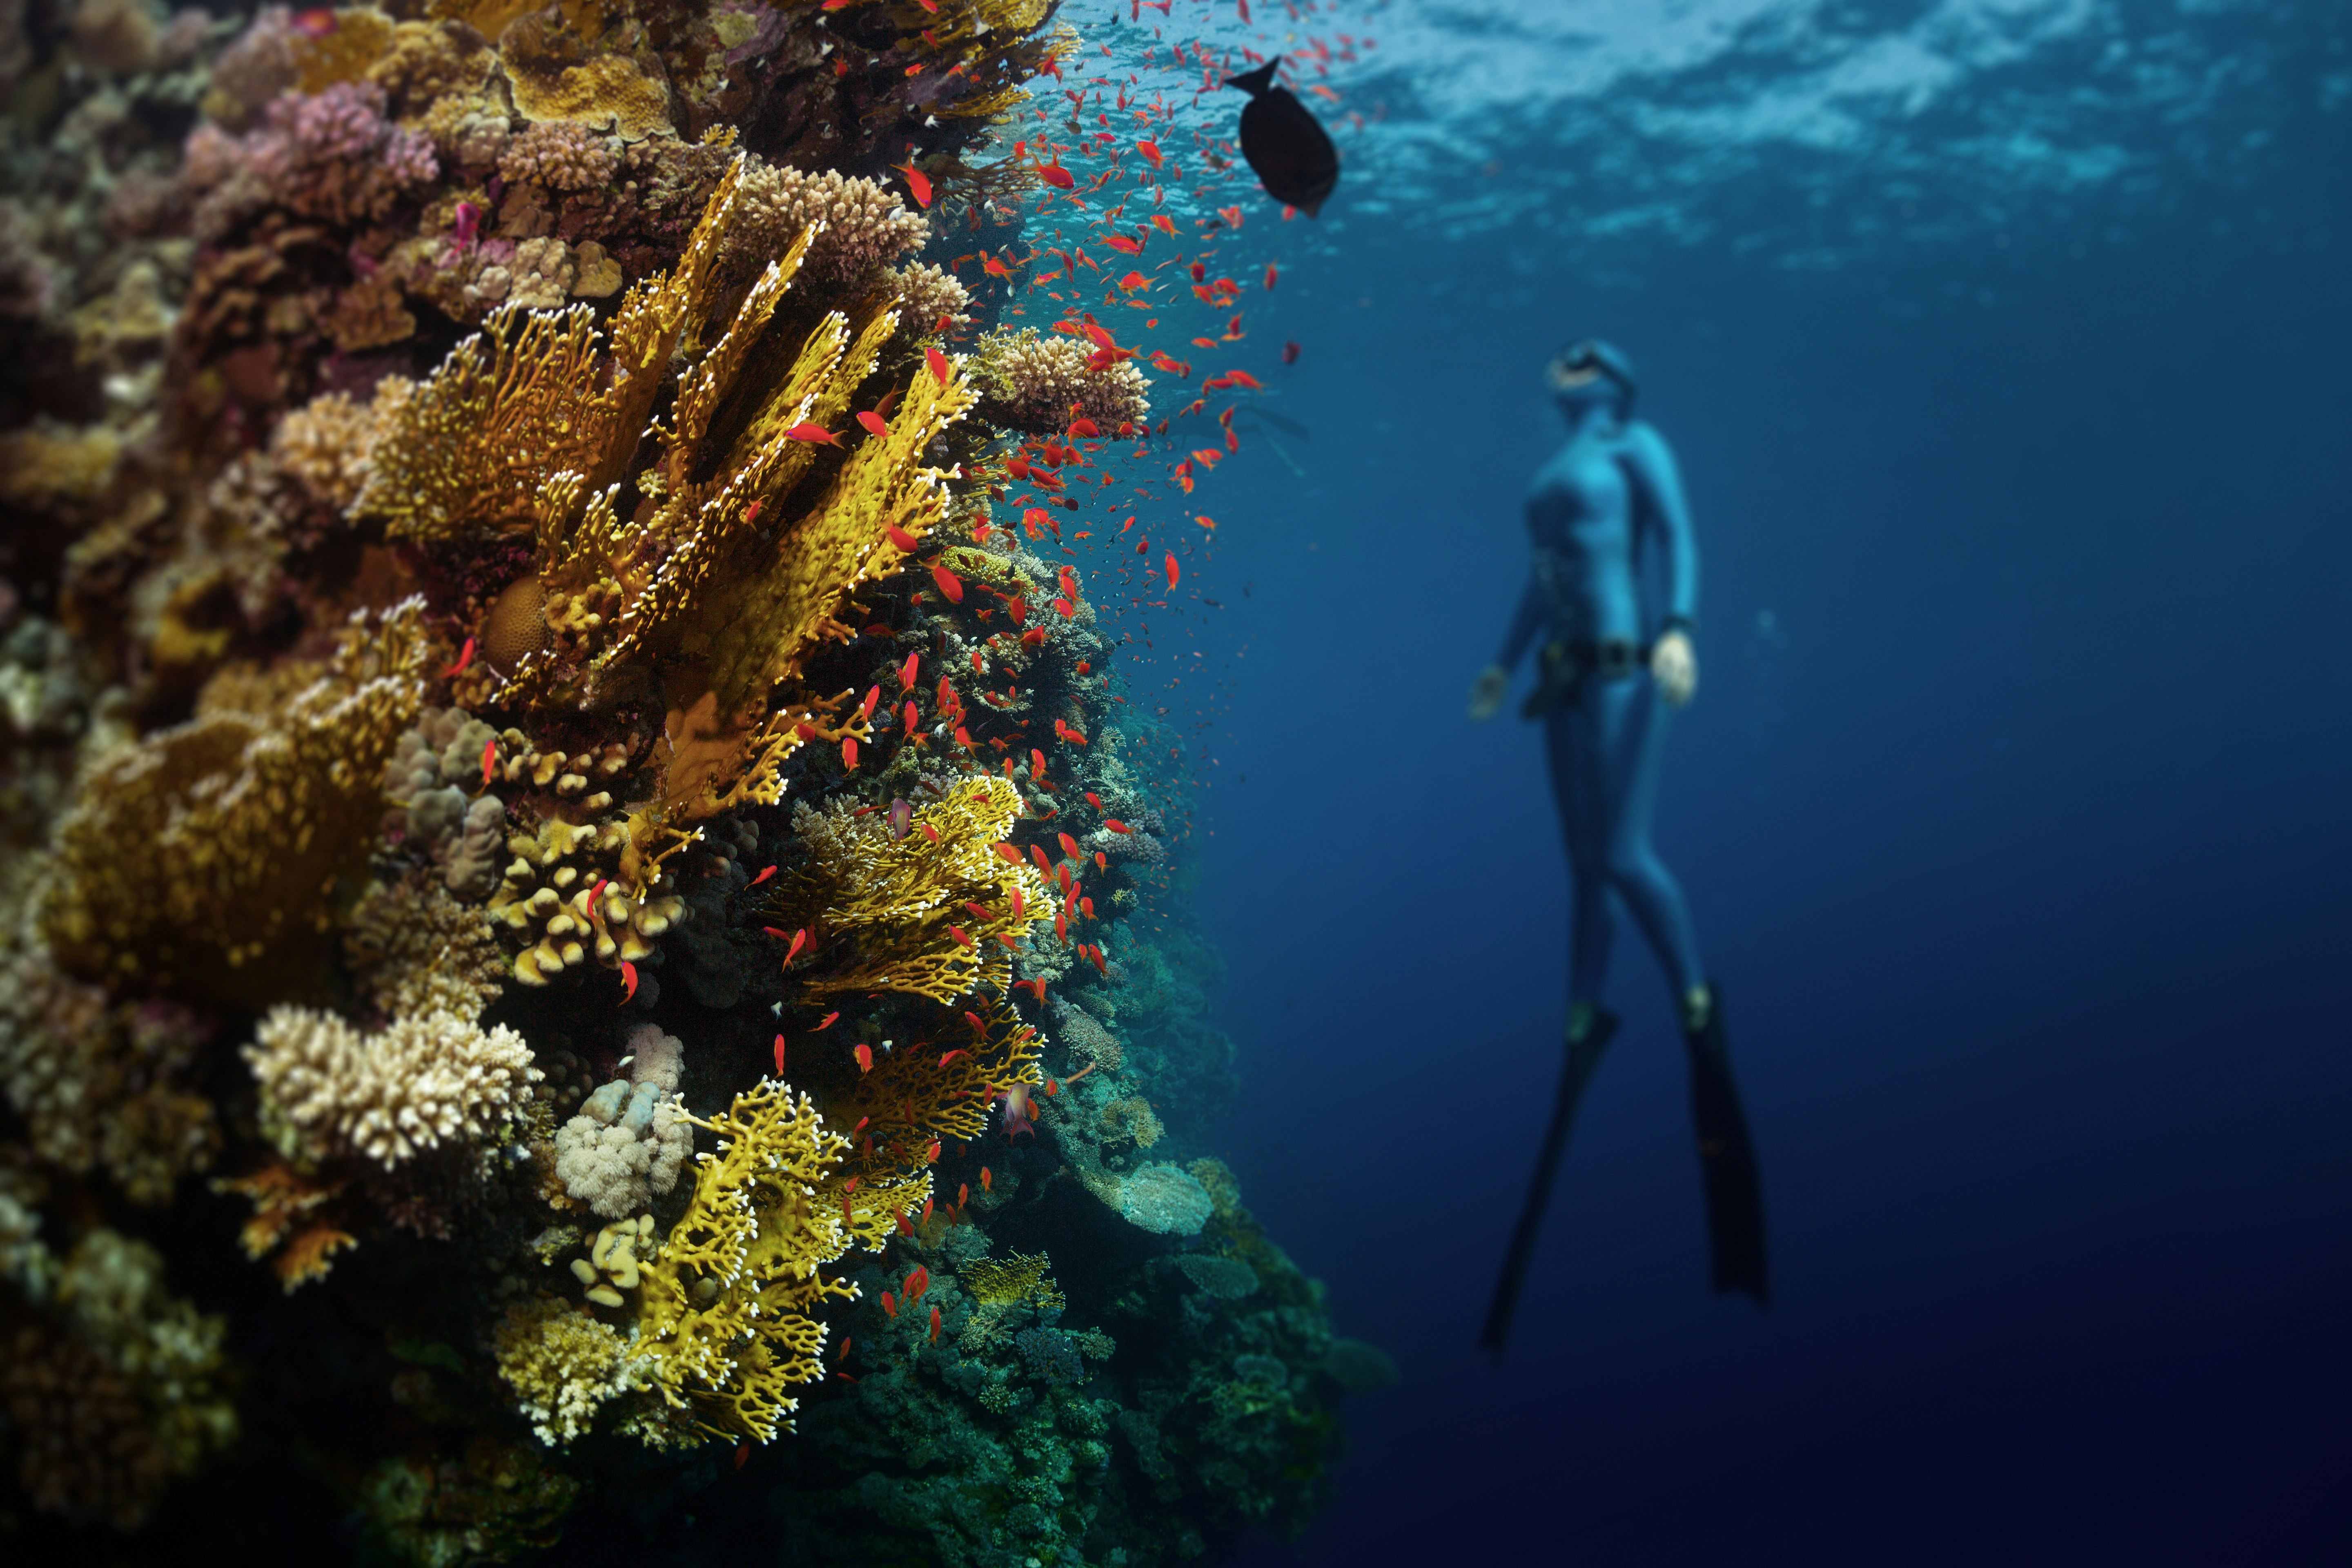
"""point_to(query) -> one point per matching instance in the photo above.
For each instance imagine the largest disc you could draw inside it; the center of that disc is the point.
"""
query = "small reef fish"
(1020, 1115)
(901, 813)
(864, 1055)
(1286, 146)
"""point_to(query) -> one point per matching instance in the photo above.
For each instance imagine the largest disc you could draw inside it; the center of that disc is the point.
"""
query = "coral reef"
(530, 974)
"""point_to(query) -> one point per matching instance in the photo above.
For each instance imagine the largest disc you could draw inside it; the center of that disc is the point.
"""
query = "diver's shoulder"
(1643, 438)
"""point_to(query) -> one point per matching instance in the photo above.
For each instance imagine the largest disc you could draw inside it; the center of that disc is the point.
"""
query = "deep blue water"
(2014, 811)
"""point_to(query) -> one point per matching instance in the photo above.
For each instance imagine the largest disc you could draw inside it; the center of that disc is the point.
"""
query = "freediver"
(1609, 668)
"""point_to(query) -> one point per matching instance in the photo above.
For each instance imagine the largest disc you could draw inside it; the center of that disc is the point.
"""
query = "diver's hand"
(1487, 692)
(1674, 667)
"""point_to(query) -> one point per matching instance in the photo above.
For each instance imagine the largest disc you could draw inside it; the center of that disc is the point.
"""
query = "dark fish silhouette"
(1286, 145)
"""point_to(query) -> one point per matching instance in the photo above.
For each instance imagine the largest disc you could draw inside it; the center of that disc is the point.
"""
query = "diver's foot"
(1734, 1198)
(1698, 1009)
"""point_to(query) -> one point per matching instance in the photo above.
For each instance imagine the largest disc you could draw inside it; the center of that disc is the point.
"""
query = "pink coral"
(330, 155)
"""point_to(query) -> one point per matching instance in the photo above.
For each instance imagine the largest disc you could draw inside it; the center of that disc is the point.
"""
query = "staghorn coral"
(204, 858)
(727, 1304)
(1040, 385)
(565, 1366)
(928, 295)
(421, 1082)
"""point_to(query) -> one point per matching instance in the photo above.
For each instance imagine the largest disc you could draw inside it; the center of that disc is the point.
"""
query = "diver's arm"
(1488, 691)
(1659, 505)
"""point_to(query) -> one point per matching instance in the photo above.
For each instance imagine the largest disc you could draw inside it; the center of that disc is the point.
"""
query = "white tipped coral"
(865, 226)
(423, 1082)
(1039, 385)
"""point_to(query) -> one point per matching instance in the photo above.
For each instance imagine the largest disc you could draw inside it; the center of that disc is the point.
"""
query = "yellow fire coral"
(906, 905)
(204, 858)
(1001, 1281)
(735, 567)
(726, 1304)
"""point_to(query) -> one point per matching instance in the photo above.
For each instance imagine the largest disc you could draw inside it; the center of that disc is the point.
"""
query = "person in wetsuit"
(1609, 668)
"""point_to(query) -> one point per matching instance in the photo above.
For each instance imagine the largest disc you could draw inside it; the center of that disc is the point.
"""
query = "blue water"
(2013, 808)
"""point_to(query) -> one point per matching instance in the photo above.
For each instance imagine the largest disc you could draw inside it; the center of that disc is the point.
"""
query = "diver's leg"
(1636, 730)
(1579, 787)
(1632, 737)
(1577, 780)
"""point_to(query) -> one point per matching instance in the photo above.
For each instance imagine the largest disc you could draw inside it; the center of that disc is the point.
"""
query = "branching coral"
(292, 1218)
(204, 858)
(414, 950)
(1040, 385)
(423, 1081)
(501, 441)
(562, 155)
(934, 912)
(119, 1390)
(101, 1083)
(1017, 1277)
(861, 227)
(565, 1366)
(727, 1304)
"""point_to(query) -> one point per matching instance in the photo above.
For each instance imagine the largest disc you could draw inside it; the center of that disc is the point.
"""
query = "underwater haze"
(2002, 347)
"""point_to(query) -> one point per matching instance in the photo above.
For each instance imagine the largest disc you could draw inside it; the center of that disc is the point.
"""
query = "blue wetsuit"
(1607, 496)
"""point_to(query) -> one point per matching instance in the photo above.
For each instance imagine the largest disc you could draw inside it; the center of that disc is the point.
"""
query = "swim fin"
(1583, 1055)
(1735, 1196)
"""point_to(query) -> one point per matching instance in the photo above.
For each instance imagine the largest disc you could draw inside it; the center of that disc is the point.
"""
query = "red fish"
(939, 363)
(1290, 353)
(1173, 571)
(935, 1325)
(816, 435)
(743, 1450)
(876, 425)
(917, 181)
(1038, 855)
(1101, 863)
(957, 932)
(987, 1183)
(889, 1304)
(849, 752)
(864, 1055)
(780, 1055)
(1116, 825)
(490, 761)
(1070, 847)
(1035, 987)
(800, 940)
(949, 585)
(1094, 800)
(917, 1283)
(628, 982)
(1151, 150)
(465, 657)
(1055, 175)
(1011, 854)
(906, 672)
(763, 876)
(900, 538)
(829, 1017)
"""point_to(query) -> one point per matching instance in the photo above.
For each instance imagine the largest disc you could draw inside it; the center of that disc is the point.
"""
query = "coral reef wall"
(588, 944)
